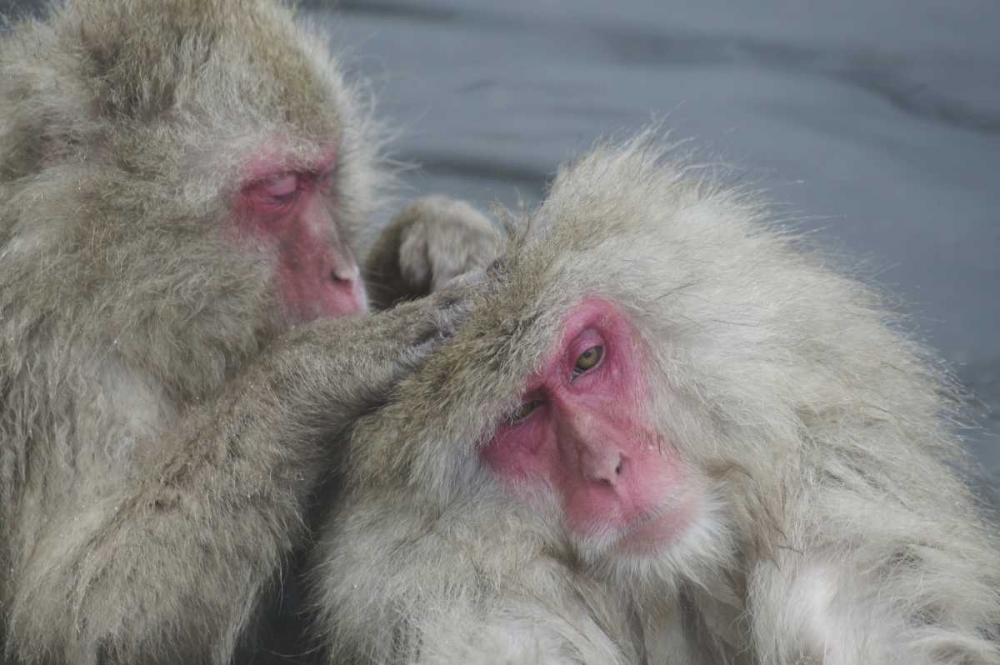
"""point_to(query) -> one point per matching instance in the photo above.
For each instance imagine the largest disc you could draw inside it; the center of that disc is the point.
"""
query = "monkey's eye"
(280, 188)
(522, 412)
(588, 360)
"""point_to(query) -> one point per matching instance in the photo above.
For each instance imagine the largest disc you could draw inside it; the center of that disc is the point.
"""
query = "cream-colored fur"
(834, 527)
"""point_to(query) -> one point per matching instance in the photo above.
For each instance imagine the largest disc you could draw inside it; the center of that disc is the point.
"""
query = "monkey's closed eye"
(588, 360)
(280, 188)
(522, 412)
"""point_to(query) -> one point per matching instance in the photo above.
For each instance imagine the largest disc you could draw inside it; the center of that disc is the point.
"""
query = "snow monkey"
(184, 187)
(668, 433)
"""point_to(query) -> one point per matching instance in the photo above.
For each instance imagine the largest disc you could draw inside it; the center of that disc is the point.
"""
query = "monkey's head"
(651, 366)
(197, 156)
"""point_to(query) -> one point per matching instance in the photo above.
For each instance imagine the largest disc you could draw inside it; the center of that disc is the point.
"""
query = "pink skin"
(587, 438)
(289, 207)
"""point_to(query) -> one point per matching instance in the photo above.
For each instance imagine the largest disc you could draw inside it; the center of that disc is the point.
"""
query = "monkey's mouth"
(654, 530)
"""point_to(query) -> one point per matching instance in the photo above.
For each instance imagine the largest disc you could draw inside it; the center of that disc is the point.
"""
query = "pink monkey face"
(291, 210)
(581, 430)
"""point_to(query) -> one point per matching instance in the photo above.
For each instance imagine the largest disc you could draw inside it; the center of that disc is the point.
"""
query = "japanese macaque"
(184, 187)
(668, 433)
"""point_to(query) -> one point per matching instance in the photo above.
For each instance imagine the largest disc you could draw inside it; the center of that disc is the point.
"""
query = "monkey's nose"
(603, 467)
(347, 290)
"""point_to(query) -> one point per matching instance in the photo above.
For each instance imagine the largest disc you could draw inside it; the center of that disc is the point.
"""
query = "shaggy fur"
(835, 528)
(160, 429)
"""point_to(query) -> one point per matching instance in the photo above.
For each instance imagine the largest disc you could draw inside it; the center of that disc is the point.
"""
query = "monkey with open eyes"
(184, 187)
(668, 433)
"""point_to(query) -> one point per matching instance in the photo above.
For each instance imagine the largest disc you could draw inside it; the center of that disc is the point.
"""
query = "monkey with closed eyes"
(185, 189)
(668, 433)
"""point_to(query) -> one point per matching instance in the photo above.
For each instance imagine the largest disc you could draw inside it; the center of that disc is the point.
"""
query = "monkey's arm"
(430, 241)
(899, 597)
(165, 565)
(816, 611)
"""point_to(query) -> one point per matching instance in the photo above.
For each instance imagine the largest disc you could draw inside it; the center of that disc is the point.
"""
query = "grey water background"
(875, 123)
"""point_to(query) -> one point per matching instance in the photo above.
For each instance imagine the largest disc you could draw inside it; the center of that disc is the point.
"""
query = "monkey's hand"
(343, 367)
(431, 241)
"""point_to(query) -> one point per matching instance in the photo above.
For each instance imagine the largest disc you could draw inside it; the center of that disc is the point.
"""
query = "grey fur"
(835, 529)
(431, 241)
(161, 428)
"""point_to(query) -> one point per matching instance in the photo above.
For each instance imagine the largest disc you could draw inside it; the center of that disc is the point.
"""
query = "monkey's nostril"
(343, 276)
(618, 468)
